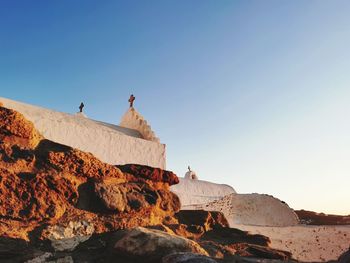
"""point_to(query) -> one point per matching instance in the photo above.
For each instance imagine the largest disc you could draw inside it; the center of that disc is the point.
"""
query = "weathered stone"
(150, 173)
(208, 220)
(228, 236)
(34, 196)
(66, 238)
(313, 218)
(263, 252)
(151, 244)
(126, 197)
(16, 130)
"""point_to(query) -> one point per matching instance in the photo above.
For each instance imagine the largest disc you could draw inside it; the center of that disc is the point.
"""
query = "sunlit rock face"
(154, 244)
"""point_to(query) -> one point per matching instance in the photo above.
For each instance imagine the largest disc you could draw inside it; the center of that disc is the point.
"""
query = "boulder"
(207, 219)
(250, 250)
(16, 130)
(150, 173)
(129, 197)
(228, 236)
(152, 245)
(194, 223)
(126, 197)
(67, 238)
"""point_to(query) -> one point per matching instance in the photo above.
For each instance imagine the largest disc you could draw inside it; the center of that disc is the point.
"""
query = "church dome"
(191, 174)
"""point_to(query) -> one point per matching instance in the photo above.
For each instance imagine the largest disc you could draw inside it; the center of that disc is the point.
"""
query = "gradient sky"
(255, 94)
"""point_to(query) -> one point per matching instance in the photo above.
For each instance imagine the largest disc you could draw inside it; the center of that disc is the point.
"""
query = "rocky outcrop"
(67, 238)
(16, 130)
(151, 173)
(211, 231)
(152, 245)
(208, 220)
(45, 183)
(128, 197)
(313, 218)
(226, 242)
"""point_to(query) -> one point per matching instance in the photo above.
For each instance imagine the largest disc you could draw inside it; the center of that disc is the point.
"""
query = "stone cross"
(131, 100)
(81, 107)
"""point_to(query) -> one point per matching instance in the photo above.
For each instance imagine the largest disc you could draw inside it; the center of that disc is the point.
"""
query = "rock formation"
(155, 244)
(313, 218)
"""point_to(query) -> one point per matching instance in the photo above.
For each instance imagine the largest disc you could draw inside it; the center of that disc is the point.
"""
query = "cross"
(131, 100)
(81, 107)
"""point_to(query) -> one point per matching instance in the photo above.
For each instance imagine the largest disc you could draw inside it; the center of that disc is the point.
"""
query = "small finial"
(189, 169)
(81, 107)
(131, 100)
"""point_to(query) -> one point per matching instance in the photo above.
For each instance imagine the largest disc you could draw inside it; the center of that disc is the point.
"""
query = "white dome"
(191, 175)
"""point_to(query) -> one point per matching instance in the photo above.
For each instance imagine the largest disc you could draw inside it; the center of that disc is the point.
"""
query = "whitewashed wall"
(110, 143)
(195, 192)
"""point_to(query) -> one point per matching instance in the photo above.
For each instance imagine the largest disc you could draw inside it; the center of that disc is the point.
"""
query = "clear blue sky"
(255, 94)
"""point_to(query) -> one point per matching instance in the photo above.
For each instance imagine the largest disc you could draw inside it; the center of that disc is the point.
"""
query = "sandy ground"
(307, 243)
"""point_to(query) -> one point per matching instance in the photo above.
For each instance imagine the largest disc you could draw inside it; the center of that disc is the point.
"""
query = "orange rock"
(150, 173)
(15, 129)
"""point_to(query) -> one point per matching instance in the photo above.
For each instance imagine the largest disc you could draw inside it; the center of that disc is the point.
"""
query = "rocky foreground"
(59, 204)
